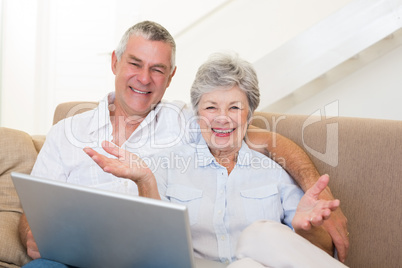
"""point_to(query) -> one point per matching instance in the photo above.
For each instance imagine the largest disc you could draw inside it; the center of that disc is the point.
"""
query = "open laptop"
(87, 227)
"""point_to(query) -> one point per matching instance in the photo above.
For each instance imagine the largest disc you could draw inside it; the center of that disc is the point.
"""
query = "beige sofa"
(362, 156)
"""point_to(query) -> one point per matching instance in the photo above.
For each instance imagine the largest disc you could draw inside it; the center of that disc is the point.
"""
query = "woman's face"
(223, 118)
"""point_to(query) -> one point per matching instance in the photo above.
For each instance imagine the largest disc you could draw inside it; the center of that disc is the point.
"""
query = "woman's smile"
(223, 132)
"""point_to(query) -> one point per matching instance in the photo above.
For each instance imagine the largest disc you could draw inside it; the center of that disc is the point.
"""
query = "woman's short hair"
(151, 31)
(226, 70)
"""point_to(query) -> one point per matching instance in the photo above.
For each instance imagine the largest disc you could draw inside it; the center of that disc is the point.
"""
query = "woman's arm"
(297, 163)
(127, 165)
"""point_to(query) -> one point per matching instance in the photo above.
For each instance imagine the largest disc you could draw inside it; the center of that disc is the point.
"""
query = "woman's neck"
(227, 159)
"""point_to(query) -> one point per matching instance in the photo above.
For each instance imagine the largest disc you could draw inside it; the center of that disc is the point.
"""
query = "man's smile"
(140, 92)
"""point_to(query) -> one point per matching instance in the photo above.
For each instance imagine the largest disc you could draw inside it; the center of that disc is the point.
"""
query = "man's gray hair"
(224, 70)
(151, 31)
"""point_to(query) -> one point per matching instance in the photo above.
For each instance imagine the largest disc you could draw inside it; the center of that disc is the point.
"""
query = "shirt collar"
(101, 117)
(205, 158)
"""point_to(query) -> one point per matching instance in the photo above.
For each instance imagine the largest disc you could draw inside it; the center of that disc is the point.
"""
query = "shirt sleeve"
(48, 163)
(157, 164)
(291, 194)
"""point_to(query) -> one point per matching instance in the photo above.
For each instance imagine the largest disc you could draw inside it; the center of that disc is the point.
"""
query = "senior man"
(135, 118)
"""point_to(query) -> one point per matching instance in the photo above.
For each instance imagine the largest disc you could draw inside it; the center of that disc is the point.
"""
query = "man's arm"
(286, 153)
(297, 163)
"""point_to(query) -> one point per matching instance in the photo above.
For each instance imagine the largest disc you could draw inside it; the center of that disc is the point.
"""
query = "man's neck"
(124, 126)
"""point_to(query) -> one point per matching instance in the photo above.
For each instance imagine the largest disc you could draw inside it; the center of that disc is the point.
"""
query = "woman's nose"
(222, 118)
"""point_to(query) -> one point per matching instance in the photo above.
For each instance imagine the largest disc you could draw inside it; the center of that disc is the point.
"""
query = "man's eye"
(158, 71)
(135, 64)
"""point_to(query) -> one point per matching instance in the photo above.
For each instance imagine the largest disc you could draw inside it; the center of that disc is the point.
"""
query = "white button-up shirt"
(62, 157)
(222, 205)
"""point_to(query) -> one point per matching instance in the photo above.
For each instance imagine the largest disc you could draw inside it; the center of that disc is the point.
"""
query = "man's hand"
(127, 165)
(27, 238)
(336, 226)
(32, 247)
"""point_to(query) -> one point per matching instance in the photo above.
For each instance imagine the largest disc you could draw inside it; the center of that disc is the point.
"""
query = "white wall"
(18, 68)
(55, 50)
(251, 28)
(374, 91)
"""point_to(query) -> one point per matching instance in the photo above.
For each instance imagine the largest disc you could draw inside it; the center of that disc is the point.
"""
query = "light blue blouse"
(220, 206)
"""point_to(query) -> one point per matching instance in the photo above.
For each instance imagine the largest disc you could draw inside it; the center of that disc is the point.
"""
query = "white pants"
(272, 244)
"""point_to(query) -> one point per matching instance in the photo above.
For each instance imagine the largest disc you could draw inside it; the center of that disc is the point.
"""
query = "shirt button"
(223, 238)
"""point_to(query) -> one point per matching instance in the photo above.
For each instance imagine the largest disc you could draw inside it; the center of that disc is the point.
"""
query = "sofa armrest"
(38, 141)
(18, 153)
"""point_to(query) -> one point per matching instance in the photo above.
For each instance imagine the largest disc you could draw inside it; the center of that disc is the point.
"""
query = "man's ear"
(114, 62)
(171, 76)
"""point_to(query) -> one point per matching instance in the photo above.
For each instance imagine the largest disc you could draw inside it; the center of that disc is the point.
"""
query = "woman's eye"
(210, 108)
(235, 107)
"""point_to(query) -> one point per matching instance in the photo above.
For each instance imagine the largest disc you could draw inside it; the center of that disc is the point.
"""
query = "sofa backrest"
(67, 109)
(364, 160)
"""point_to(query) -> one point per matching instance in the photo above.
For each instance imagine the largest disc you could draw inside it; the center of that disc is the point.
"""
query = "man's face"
(141, 75)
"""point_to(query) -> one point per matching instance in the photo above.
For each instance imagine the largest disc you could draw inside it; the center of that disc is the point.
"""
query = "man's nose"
(144, 76)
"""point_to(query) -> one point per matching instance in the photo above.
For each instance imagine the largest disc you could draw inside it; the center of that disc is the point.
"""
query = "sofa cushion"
(17, 153)
(11, 250)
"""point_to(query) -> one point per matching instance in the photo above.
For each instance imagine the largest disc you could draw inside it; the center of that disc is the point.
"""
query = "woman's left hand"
(312, 211)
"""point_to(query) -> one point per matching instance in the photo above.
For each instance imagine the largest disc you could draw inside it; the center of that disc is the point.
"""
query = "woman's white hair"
(226, 70)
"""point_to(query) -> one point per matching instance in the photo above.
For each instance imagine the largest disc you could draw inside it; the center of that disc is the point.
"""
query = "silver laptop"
(87, 227)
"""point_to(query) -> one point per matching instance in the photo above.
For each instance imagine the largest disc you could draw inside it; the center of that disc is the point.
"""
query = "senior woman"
(242, 206)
